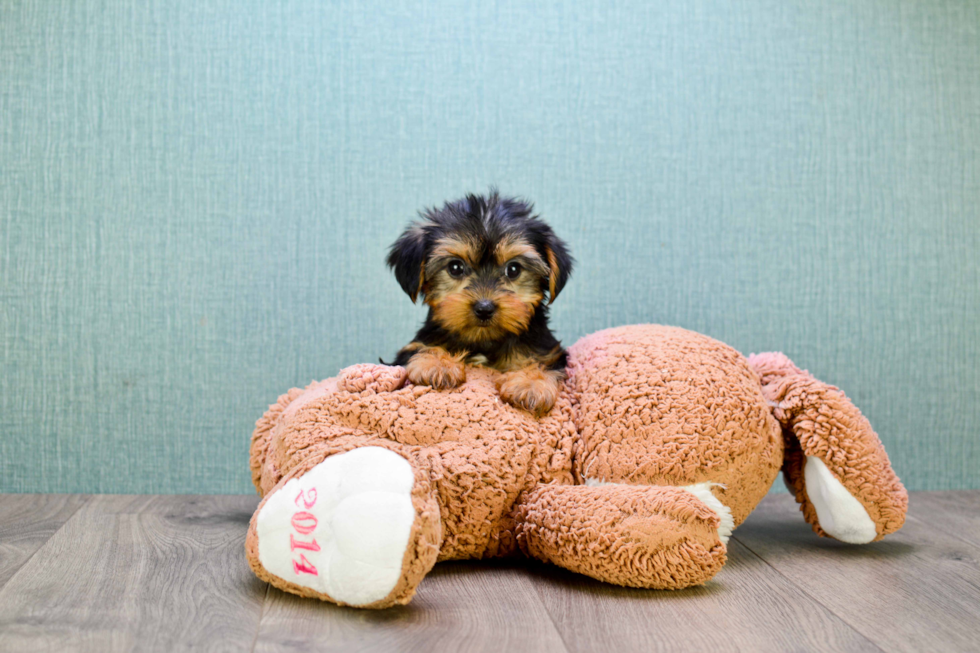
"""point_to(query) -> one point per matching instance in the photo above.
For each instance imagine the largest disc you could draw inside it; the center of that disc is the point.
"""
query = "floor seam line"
(955, 536)
(258, 626)
(810, 596)
(551, 617)
(88, 497)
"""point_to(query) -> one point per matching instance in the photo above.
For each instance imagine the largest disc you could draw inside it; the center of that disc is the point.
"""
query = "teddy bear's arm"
(655, 537)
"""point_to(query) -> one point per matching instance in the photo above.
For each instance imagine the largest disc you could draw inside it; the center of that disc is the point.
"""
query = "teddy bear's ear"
(406, 258)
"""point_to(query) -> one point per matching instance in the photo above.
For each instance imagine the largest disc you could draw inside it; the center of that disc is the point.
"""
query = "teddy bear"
(661, 442)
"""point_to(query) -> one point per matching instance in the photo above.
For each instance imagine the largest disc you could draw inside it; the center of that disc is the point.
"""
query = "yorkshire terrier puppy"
(484, 266)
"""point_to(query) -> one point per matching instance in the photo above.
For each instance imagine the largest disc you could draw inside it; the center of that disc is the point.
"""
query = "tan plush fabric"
(645, 411)
(666, 406)
(637, 536)
(819, 420)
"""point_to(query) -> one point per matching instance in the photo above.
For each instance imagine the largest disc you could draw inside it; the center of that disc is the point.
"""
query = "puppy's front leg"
(436, 367)
(533, 388)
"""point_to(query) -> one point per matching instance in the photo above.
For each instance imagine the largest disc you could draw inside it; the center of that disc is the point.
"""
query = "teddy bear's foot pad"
(840, 515)
(342, 528)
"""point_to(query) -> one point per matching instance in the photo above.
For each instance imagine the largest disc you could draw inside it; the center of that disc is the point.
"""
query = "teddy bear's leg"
(360, 527)
(655, 537)
(356, 378)
(834, 462)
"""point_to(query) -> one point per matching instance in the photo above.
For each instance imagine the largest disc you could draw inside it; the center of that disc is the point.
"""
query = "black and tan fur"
(465, 257)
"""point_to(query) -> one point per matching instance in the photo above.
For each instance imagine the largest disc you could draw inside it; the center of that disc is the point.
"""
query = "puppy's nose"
(484, 309)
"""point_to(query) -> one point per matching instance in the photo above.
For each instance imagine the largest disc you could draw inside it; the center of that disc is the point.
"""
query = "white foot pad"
(342, 528)
(840, 515)
(726, 523)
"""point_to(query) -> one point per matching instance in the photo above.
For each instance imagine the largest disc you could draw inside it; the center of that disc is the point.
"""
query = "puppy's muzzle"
(484, 309)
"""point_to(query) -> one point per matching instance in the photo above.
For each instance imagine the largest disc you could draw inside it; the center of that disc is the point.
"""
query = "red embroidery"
(304, 523)
(304, 566)
(308, 500)
(299, 544)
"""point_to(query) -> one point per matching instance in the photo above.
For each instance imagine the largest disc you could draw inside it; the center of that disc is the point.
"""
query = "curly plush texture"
(666, 406)
(634, 536)
(600, 485)
(819, 420)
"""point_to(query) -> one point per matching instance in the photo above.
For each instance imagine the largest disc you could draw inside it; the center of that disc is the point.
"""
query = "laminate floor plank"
(956, 513)
(27, 521)
(460, 606)
(163, 573)
(746, 607)
(138, 573)
(917, 590)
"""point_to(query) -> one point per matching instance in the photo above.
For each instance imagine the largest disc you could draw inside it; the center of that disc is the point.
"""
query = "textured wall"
(196, 198)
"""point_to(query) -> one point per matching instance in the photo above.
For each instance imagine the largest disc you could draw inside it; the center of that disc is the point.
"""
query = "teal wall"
(196, 198)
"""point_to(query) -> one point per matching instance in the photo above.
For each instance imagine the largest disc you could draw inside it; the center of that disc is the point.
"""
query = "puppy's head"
(483, 264)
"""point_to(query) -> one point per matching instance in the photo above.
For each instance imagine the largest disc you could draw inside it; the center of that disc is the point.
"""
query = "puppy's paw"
(533, 388)
(436, 367)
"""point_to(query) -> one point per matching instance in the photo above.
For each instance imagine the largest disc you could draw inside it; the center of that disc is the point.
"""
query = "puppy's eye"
(455, 269)
(513, 270)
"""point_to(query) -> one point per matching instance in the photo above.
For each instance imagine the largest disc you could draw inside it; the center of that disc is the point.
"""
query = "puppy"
(485, 265)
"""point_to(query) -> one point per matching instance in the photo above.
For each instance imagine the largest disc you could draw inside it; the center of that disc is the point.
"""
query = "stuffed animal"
(661, 442)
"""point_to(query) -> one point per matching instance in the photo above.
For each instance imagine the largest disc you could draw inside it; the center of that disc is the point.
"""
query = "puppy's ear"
(553, 250)
(407, 260)
(559, 261)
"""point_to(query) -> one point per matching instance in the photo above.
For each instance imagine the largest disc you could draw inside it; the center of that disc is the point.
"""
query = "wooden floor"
(162, 573)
